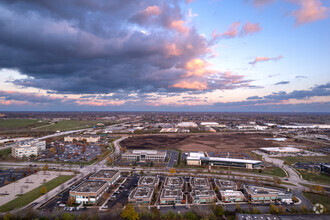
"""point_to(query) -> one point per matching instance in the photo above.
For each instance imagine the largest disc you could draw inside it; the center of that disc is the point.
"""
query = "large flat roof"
(202, 193)
(148, 180)
(231, 160)
(231, 193)
(90, 186)
(142, 192)
(170, 193)
(281, 149)
(105, 174)
(173, 181)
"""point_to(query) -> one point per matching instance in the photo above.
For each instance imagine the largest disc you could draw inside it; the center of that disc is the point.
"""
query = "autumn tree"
(295, 199)
(45, 167)
(303, 209)
(130, 213)
(71, 200)
(238, 208)
(43, 190)
(219, 211)
(172, 171)
(273, 209)
(318, 188)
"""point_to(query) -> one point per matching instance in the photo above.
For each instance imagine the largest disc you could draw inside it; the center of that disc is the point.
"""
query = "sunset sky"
(147, 55)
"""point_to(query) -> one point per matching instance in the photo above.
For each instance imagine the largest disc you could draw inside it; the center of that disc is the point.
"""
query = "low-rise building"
(280, 150)
(194, 158)
(225, 184)
(172, 182)
(144, 155)
(199, 183)
(27, 148)
(203, 196)
(111, 176)
(171, 196)
(230, 162)
(88, 138)
(232, 196)
(266, 194)
(187, 125)
(90, 191)
(148, 181)
(141, 195)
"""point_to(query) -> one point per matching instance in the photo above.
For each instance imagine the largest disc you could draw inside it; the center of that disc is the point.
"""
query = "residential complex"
(28, 148)
(144, 155)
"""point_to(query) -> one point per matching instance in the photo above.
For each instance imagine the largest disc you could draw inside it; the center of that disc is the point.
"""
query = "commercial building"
(169, 130)
(199, 183)
(230, 162)
(141, 195)
(280, 150)
(88, 138)
(111, 176)
(194, 158)
(171, 196)
(144, 155)
(172, 182)
(210, 124)
(252, 127)
(225, 184)
(232, 196)
(27, 148)
(89, 192)
(203, 196)
(148, 181)
(265, 194)
(187, 125)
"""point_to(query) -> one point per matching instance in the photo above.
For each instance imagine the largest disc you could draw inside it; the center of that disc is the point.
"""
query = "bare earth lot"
(208, 142)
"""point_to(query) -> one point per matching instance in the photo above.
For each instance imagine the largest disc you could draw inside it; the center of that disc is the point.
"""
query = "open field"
(68, 125)
(306, 159)
(317, 198)
(33, 194)
(232, 142)
(19, 123)
(316, 177)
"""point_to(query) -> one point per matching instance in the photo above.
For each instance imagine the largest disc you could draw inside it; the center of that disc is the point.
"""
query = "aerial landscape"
(169, 109)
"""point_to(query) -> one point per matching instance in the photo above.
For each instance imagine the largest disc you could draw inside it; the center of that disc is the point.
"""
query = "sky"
(165, 55)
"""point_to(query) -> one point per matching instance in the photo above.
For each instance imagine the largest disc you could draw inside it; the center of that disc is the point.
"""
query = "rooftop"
(255, 190)
(225, 183)
(90, 186)
(231, 160)
(142, 192)
(231, 193)
(105, 174)
(202, 193)
(149, 180)
(195, 155)
(199, 182)
(173, 181)
(281, 149)
(170, 193)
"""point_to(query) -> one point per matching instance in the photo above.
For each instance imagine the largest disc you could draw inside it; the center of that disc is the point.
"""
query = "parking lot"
(12, 175)
(70, 152)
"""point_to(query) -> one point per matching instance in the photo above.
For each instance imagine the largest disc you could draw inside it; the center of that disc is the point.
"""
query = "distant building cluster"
(27, 148)
(87, 138)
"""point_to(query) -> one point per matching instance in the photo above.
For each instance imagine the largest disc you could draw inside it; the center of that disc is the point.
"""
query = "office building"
(141, 195)
(171, 196)
(144, 155)
(27, 148)
(148, 181)
(89, 192)
(203, 196)
(232, 196)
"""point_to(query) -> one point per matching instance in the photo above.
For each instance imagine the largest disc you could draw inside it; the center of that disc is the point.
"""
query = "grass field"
(306, 159)
(68, 125)
(317, 198)
(320, 178)
(20, 123)
(33, 194)
(5, 153)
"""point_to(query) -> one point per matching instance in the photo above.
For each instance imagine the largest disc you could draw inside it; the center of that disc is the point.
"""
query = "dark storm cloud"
(29, 97)
(282, 83)
(99, 46)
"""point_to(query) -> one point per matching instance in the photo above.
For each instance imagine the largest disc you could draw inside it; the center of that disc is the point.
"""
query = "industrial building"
(198, 158)
(141, 195)
(225, 184)
(172, 182)
(111, 176)
(280, 150)
(144, 155)
(203, 196)
(232, 196)
(88, 138)
(171, 196)
(27, 148)
(199, 183)
(148, 181)
(266, 194)
(187, 125)
(90, 191)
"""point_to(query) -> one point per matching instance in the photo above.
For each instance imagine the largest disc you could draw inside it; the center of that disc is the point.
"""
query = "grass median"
(316, 177)
(33, 194)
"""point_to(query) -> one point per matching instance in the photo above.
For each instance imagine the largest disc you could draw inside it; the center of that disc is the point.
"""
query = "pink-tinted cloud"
(310, 11)
(264, 59)
(152, 10)
(233, 31)
(250, 28)
(179, 26)
(189, 1)
(195, 85)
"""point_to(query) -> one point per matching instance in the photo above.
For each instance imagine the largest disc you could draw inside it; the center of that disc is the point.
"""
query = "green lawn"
(33, 194)
(70, 124)
(20, 123)
(5, 153)
(320, 178)
(306, 159)
(317, 198)
(274, 171)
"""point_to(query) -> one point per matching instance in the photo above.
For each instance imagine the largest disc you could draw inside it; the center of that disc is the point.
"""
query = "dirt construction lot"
(233, 142)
